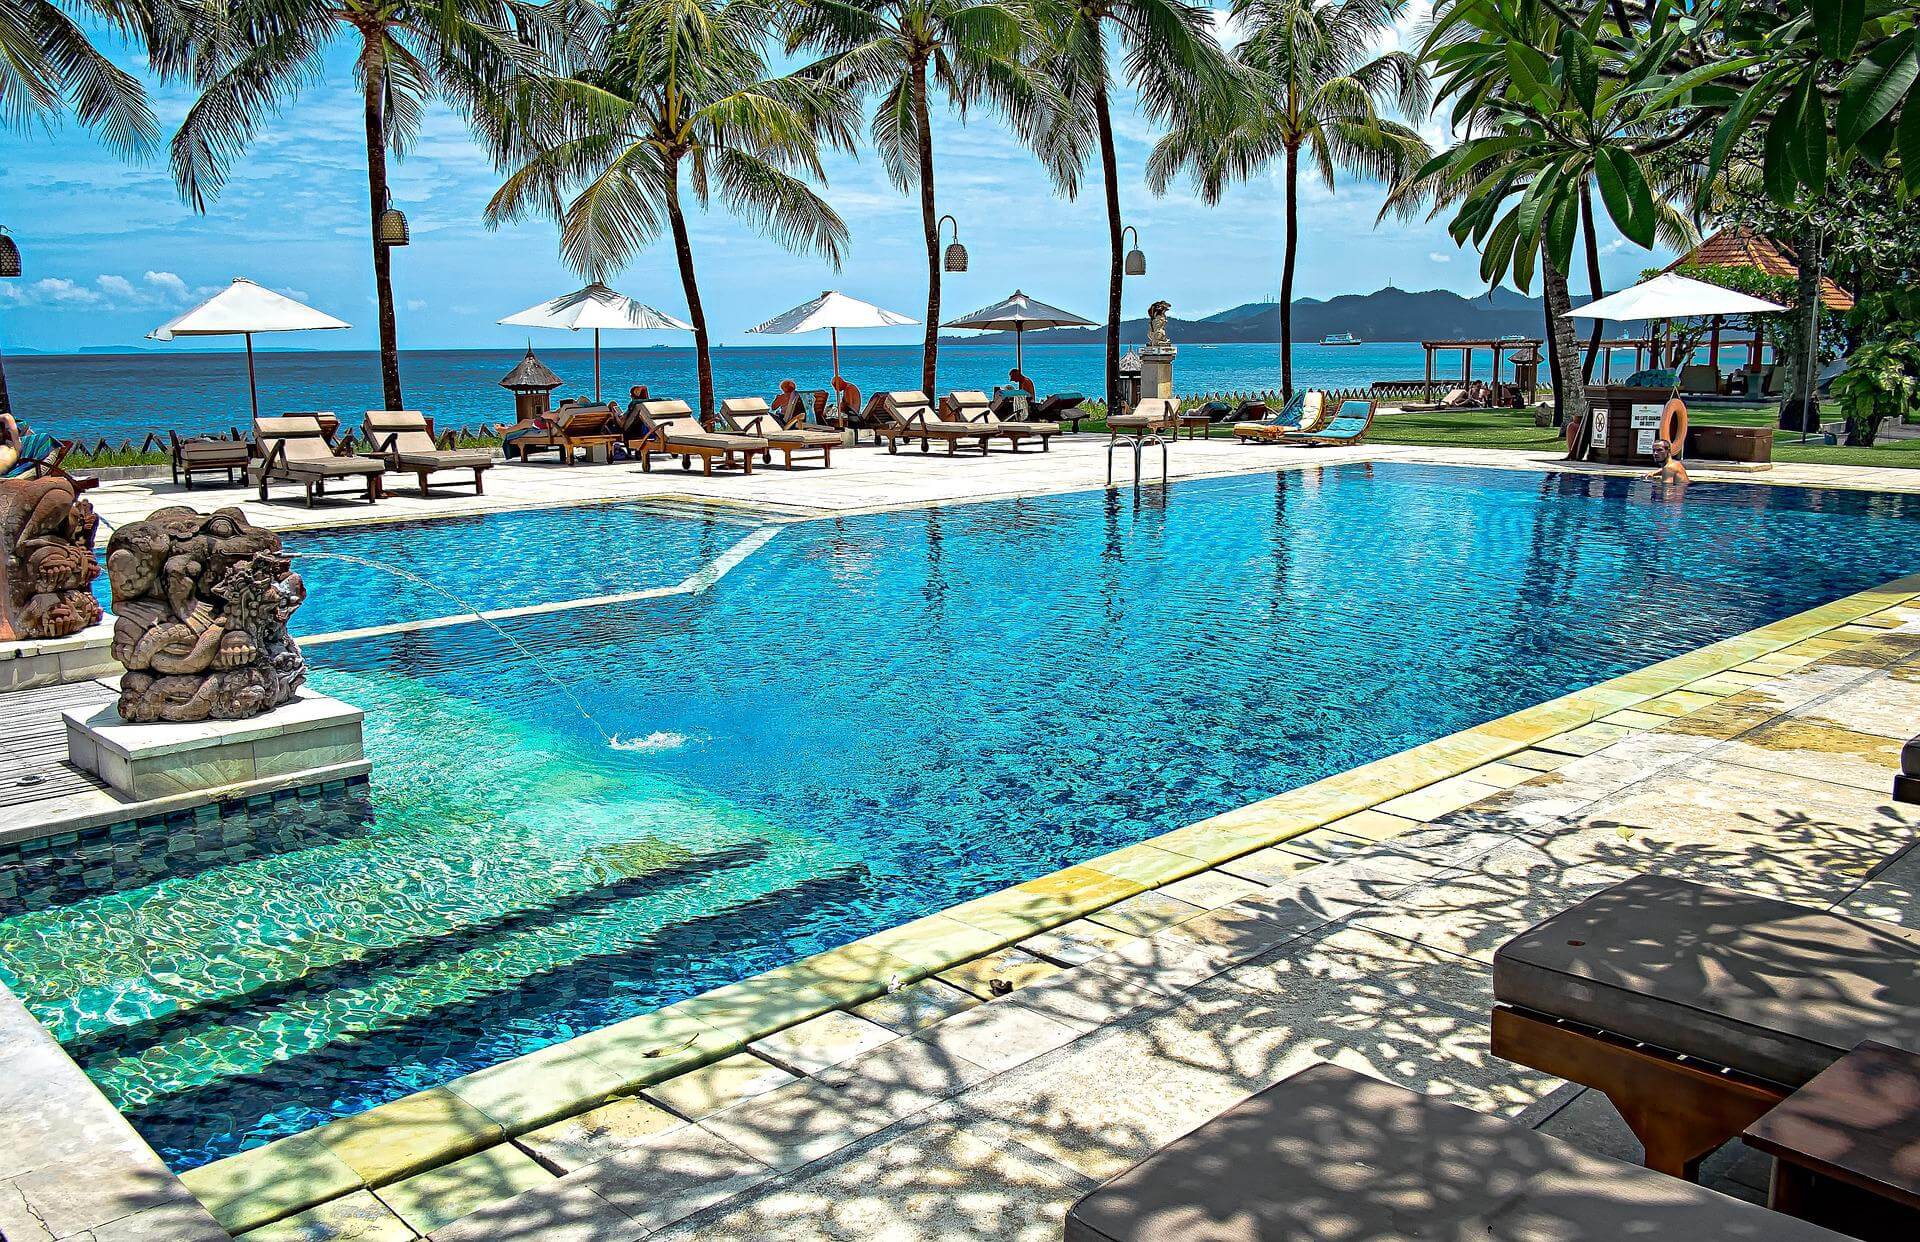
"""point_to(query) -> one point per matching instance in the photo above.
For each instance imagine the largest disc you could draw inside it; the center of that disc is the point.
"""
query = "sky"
(111, 251)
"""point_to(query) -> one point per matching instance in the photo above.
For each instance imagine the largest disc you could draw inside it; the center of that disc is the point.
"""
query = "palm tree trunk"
(6, 404)
(1593, 282)
(930, 224)
(1110, 171)
(683, 252)
(1286, 272)
(1800, 411)
(1569, 393)
(374, 75)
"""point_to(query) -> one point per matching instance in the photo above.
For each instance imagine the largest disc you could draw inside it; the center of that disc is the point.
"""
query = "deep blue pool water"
(867, 720)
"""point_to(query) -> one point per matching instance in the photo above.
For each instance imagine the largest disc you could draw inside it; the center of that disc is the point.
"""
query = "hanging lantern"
(9, 257)
(956, 260)
(1136, 264)
(392, 229)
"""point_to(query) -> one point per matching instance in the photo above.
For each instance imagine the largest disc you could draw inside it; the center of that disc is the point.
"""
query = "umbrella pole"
(835, 333)
(596, 366)
(253, 391)
(1019, 362)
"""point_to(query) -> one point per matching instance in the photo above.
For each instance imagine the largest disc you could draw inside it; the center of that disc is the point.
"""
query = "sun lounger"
(1151, 416)
(909, 415)
(37, 455)
(567, 429)
(404, 440)
(1306, 412)
(752, 416)
(673, 431)
(293, 449)
(205, 455)
(973, 406)
(1348, 424)
(1697, 1009)
(1699, 379)
(1331, 1155)
(1061, 407)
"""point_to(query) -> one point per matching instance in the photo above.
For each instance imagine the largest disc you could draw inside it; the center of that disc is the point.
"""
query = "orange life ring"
(1673, 427)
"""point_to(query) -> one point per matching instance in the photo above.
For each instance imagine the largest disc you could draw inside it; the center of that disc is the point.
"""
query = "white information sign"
(1644, 417)
(1599, 417)
(1643, 442)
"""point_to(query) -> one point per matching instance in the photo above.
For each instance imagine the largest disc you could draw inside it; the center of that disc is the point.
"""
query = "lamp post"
(1136, 264)
(956, 256)
(9, 270)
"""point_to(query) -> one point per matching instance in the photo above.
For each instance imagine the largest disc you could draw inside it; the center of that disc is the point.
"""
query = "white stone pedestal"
(1156, 371)
(56, 661)
(314, 738)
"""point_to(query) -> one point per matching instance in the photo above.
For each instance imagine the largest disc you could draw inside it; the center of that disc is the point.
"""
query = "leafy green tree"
(973, 51)
(1312, 86)
(673, 97)
(251, 59)
(1176, 69)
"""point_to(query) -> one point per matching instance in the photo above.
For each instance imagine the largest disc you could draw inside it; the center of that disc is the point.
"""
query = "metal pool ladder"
(1147, 438)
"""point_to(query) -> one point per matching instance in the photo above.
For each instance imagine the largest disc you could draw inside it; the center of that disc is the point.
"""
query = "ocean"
(90, 397)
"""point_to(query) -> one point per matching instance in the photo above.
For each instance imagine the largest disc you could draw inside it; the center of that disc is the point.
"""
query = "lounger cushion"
(448, 459)
(327, 468)
(687, 432)
(1774, 990)
(1330, 1155)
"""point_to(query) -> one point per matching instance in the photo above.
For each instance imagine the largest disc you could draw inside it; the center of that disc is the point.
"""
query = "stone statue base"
(37, 662)
(308, 741)
(1156, 370)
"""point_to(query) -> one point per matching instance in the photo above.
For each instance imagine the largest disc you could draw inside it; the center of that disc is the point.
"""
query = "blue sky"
(111, 251)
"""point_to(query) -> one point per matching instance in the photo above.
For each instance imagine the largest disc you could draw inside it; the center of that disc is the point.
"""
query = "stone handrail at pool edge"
(441, 1124)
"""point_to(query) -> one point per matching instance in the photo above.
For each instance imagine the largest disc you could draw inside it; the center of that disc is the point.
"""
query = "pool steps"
(1311, 824)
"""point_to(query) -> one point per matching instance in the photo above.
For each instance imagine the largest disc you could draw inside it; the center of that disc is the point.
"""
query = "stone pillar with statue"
(47, 566)
(1156, 360)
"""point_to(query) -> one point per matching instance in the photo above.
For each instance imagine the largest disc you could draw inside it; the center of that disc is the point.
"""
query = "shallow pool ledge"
(435, 1127)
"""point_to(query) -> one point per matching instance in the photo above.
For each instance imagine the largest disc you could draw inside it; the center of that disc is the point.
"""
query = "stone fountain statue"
(202, 602)
(1156, 360)
(46, 551)
(1157, 337)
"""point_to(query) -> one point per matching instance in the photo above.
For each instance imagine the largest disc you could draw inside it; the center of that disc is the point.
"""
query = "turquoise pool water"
(867, 720)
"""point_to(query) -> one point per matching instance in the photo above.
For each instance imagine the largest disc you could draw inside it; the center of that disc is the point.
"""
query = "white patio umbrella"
(833, 311)
(1017, 314)
(596, 307)
(242, 309)
(1672, 296)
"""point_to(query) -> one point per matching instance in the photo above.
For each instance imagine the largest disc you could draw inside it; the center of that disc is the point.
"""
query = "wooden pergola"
(1504, 345)
(1741, 247)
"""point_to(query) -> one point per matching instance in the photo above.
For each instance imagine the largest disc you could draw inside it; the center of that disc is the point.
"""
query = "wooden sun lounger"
(294, 449)
(909, 415)
(1697, 1009)
(972, 406)
(675, 432)
(206, 455)
(1331, 1155)
(1306, 412)
(1061, 407)
(573, 429)
(403, 439)
(752, 416)
(1348, 425)
(1152, 416)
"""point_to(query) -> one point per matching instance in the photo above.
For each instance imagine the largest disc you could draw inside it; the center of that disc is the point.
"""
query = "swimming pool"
(869, 719)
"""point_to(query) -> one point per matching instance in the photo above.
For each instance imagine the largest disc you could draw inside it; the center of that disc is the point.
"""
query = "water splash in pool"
(657, 740)
(539, 666)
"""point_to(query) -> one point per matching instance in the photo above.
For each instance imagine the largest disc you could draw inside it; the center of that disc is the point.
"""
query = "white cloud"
(416, 304)
(108, 290)
(169, 284)
(1439, 256)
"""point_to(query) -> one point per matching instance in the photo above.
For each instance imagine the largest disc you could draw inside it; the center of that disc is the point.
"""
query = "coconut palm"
(673, 92)
(972, 50)
(1175, 67)
(50, 69)
(1314, 88)
(255, 60)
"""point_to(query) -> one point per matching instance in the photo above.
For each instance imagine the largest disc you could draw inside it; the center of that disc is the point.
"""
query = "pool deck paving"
(971, 1073)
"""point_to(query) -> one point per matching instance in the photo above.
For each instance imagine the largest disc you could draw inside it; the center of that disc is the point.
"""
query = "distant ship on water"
(1341, 338)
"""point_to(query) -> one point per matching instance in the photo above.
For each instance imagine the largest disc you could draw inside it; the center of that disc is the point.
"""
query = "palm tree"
(49, 69)
(974, 51)
(673, 91)
(1313, 88)
(1176, 69)
(261, 53)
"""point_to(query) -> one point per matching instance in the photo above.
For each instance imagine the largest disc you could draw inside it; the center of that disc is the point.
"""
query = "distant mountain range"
(1388, 315)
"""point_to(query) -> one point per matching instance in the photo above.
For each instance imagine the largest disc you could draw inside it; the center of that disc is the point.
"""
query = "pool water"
(869, 719)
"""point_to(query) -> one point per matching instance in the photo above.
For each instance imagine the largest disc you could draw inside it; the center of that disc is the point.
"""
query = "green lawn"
(1514, 429)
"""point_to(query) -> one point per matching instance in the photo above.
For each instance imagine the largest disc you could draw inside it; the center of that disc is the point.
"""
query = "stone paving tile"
(805, 1120)
(998, 1036)
(718, 1085)
(1324, 844)
(1145, 914)
(409, 1134)
(1272, 865)
(173, 1222)
(1082, 940)
(1537, 760)
(1211, 889)
(1823, 752)
(937, 1182)
(562, 1212)
(94, 1188)
(1438, 799)
(441, 1196)
(1086, 998)
(997, 973)
(907, 1074)
(915, 1006)
(359, 1217)
(1879, 705)
(653, 1183)
(578, 1141)
(821, 1042)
